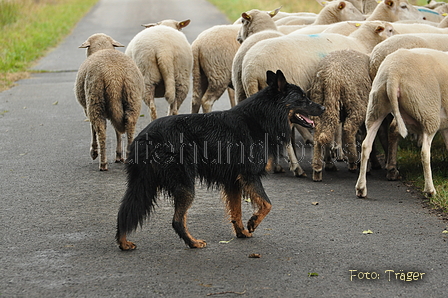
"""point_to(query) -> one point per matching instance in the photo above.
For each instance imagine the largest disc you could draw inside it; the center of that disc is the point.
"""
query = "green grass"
(29, 28)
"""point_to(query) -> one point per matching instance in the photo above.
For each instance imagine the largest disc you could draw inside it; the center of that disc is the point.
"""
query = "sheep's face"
(255, 21)
(402, 10)
(98, 42)
(346, 11)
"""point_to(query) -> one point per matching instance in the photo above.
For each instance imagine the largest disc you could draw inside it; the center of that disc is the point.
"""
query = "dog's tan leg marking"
(125, 244)
(233, 203)
(182, 203)
(261, 201)
(263, 209)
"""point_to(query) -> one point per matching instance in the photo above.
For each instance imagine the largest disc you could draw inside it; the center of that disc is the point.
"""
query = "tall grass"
(28, 28)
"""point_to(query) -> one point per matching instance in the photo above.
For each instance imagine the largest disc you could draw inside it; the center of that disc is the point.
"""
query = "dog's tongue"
(306, 119)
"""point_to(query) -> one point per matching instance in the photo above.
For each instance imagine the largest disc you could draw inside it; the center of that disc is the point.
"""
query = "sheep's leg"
(119, 148)
(232, 198)
(317, 162)
(212, 94)
(231, 94)
(148, 97)
(330, 166)
(294, 165)
(444, 134)
(361, 185)
(99, 125)
(94, 143)
(337, 150)
(349, 131)
(426, 162)
(391, 164)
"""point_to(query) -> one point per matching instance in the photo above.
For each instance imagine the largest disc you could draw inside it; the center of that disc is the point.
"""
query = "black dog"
(229, 149)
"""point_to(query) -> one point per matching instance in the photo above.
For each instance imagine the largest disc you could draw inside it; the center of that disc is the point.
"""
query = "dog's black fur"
(228, 149)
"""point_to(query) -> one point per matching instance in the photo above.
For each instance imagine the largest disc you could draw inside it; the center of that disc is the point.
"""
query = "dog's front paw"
(244, 234)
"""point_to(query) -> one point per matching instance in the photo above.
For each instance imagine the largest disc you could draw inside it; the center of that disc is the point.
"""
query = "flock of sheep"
(361, 59)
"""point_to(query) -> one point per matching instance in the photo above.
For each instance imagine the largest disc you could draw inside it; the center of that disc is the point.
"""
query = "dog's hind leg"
(260, 200)
(182, 202)
(233, 202)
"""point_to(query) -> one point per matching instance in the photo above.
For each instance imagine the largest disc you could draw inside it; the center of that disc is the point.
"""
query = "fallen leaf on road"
(315, 203)
(55, 103)
(367, 232)
(225, 241)
(310, 274)
(255, 256)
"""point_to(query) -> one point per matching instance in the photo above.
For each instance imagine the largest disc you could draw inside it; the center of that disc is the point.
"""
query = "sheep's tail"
(327, 94)
(196, 97)
(141, 193)
(166, 68)
(393, 93)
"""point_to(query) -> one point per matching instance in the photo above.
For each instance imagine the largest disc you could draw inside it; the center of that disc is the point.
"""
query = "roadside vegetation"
(30, 28)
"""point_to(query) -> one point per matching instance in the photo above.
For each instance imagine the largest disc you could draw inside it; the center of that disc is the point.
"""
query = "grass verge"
(29, 28)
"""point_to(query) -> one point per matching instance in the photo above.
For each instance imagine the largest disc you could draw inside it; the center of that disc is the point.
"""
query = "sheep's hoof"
(103, 167)
(393, 174)
(361, 192)
(299, 173)
(93, 154)
(119, 160)
(317, 176)
(278, 169)
(331, 167)
(352, 167)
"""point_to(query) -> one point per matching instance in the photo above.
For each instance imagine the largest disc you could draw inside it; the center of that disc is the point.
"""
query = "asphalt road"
(58, 212)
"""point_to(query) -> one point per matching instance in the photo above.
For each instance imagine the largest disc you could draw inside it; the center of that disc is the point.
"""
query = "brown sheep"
(108, 86)
(341, 84)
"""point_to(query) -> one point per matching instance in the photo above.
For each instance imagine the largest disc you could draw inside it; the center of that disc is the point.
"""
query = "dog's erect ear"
(271, 79)
(281, 81)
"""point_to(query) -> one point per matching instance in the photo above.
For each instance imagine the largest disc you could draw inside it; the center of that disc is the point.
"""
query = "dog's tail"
(140, 196)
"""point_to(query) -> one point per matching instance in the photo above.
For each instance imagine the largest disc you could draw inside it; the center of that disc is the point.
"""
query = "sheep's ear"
(246, 16)
(281, 81)
(379, 29)
(182, 24)
(341, 5)
(85, 44)
(322, 2)
(116, 44)
(274, 12)
(389, 3)
(150, 25)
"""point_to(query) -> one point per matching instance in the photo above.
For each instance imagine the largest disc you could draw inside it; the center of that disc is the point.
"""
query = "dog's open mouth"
(300, 119)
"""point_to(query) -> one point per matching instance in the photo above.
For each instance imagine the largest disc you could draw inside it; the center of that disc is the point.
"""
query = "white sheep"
(163, 55)
(213, 53)
(298, 55)
(332, 12)
(405, 41)
(419, 108)
(256, 25)
(395, 10)
(108, 86)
